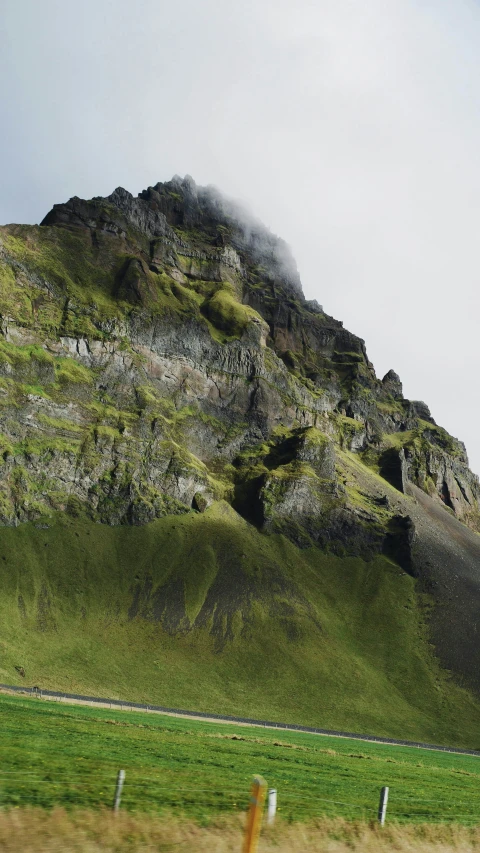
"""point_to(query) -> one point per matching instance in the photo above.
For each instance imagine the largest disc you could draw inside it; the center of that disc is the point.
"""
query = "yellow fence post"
(257, 798)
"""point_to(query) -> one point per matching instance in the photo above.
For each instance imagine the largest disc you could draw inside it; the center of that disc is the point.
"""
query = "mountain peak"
(166, 209)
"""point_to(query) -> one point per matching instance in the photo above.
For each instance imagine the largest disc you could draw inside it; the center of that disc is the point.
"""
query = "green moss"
(105, 432)
(314, 436)
(227, 314)
(193, 413)
(194, 266)
(190, 300)
(293, 471)
(183, 456)
(346, 429)
(6, 447)
(355, 466)
(358, 499)
(233, 431)
(426, 437)
(38, 445)
(15, 300)
(64, 261)
(390, 407)
(54, 280)
(429, 486)
(22, 356)
(105, 412)
(348, 357)
(40, 355)
(400, 439)
(28, 389)
(146, 397)
(252, 455)
(438, 436)
(59, 424)
(70, 372)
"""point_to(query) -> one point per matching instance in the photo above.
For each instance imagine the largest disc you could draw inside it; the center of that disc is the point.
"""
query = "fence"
(149, 793)
(146, 786)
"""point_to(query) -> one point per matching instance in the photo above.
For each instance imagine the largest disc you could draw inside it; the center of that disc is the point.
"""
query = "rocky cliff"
(157, 354)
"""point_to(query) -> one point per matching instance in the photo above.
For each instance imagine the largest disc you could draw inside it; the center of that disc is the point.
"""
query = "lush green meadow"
(203, 612)
(55, 754)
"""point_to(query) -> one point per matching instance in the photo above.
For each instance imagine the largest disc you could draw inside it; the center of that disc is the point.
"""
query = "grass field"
(58, 755)
(89, 831)
(203, 612)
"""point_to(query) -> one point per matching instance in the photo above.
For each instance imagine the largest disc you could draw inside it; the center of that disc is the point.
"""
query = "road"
(94, 702)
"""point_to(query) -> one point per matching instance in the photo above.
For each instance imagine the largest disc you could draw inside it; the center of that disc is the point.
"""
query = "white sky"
(351, 127)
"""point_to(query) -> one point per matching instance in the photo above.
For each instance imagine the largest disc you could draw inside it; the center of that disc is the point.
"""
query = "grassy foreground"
(58, 755)
(203, 612)
(90, 832)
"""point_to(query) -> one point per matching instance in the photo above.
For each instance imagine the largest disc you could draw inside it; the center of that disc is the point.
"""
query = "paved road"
(94, 701)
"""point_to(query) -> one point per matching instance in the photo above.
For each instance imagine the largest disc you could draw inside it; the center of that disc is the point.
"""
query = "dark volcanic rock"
(194, 348)
(398, 543)
(393, 467)
(421, 410)
(392, 384)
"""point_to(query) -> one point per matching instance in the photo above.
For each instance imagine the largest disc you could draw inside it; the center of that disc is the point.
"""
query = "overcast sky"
(350, 127)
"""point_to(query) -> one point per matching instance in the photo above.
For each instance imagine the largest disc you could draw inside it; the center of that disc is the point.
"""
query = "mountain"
(199, 464)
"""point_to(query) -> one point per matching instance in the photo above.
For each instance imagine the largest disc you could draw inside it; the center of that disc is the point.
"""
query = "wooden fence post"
(118, 790)
(257, 798)
(382, 806)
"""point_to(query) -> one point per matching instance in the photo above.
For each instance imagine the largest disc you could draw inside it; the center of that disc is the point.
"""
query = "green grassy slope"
(67, 755)
(204, 612)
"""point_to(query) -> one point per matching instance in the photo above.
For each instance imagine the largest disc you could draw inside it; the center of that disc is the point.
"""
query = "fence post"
(382, 806)
(252, 831)
(271, 806)
(118, 790)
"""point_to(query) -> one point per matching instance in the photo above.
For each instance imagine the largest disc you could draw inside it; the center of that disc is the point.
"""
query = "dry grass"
(59, 831)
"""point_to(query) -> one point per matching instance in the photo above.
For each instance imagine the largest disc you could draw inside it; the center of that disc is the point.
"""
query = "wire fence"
(98, 785)
(225, 718)
(98, 789)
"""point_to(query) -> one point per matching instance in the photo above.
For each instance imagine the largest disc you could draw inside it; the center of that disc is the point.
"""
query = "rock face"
(157, 354)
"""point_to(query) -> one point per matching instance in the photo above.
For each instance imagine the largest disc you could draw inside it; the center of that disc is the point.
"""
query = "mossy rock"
(199, 502)
(227, 314)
